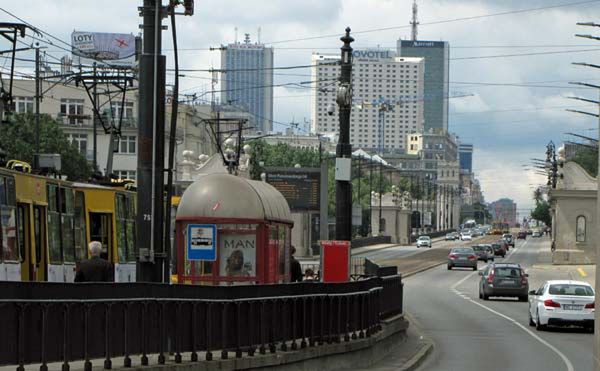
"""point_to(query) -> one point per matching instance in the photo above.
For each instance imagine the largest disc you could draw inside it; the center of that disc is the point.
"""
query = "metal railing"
(45, 322)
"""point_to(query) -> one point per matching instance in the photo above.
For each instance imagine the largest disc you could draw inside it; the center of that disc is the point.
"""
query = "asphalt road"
(472, 334)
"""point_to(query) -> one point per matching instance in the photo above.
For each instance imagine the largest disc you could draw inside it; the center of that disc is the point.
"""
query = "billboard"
(299, 186)
(237, 255)
(117, 49)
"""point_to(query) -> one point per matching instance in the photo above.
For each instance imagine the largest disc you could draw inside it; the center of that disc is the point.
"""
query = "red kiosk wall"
(335, 261)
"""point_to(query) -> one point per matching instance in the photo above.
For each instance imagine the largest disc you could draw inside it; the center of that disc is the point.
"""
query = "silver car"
(462, 257)
(424, 241)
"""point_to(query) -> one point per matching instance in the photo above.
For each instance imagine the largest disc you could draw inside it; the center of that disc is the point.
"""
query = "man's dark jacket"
(95, 269)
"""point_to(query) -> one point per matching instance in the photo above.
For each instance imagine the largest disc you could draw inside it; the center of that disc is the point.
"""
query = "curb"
(426, 268)
(421, 355)
(415, 361)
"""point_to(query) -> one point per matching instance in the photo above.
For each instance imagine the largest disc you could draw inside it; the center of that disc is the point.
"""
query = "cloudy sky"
(516, 65)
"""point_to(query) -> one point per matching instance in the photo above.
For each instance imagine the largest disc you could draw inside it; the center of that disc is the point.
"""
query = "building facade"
(386, 105)
(465, 155)
(504, 210)
(436, 87)
(73, 110)
(433, 146)
(248, 80)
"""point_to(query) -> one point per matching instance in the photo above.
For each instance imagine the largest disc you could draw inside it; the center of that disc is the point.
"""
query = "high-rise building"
(437, 65)
(386, 108)
(504, 210)
(465, 155)
(248, 80)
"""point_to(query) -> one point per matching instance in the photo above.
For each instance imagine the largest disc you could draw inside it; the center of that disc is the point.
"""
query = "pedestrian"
(95, 269)
(295, 268)
(309, 275)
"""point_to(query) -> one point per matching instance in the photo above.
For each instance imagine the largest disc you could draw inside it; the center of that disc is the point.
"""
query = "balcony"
(87, 121)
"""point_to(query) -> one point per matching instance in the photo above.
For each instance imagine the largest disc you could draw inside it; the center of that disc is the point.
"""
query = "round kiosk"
(231, 230)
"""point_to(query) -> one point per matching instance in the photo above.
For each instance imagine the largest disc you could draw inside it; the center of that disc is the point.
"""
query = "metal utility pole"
(38, 89)
(95, 122)
(380, 198)
(343, 167)
(150, 202)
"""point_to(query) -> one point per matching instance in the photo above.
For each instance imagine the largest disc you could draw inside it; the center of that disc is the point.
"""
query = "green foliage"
(17, 138)
(279, 155)
(587, 158)
(542, 213)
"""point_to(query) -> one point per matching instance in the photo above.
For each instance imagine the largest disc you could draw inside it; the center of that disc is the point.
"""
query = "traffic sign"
(202, 242)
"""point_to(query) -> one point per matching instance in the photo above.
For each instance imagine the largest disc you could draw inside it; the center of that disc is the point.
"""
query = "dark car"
(482, 252)
(504, 279)
(462, 257)
(509, 239)
(499, 249)
(504, 243)
(522, 235)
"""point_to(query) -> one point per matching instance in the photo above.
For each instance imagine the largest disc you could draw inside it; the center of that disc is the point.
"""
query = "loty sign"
(112, 48)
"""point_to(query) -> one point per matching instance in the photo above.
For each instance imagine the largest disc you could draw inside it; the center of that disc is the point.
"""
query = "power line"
(524, 54)
(440, 22)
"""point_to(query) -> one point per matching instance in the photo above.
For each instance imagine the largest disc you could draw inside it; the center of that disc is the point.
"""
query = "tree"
(542, 213)
(587, 158)
(17, 139)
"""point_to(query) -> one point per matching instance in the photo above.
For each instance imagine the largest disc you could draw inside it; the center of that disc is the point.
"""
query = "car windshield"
(571, 290)
(423, 238)
(507, 271)
(463, 250)
(496, 246)
(478, 248)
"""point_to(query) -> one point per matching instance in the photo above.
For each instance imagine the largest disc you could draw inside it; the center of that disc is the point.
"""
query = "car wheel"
(531, 323)
(522, 298)
(449, 267)
(538, 325)
(486, 296)
(503, 255)
(474, 268)
(480, 294)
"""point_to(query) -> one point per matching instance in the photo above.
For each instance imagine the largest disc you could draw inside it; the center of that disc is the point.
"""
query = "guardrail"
(52, 322)
(368, 241)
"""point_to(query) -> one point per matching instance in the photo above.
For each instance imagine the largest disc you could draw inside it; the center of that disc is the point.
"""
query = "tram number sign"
(202, 242)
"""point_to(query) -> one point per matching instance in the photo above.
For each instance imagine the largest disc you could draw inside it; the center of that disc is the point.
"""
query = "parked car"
(522, 235)
(465, 236)
(424, 241)
(451, 236)
(562, 302)
(536, 233)
(483, 252)
(499, 249)
(509, 239)
(462, 257)
(503, 279)
(529, 232)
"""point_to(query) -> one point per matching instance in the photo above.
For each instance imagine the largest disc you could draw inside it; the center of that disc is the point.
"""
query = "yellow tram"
(46, 224)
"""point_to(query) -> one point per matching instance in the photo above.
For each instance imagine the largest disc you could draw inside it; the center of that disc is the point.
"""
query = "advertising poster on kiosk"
(237, 255)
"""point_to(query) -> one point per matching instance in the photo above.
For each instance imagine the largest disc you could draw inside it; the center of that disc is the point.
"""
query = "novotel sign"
(372, 54)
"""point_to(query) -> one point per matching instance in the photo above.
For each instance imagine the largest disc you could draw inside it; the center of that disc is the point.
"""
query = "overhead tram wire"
(441, 21)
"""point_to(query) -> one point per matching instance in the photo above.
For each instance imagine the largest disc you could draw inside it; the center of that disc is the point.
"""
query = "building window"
(127, 144)
(580, 234)
(79, 141)
(72, 109)
(24, 104)
(125, 174)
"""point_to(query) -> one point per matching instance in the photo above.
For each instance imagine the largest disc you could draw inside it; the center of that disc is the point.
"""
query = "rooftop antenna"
(236, 39)
(414, 23)
(258, 36)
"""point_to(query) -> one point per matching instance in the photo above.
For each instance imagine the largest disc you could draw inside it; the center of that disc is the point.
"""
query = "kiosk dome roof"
(229, 196)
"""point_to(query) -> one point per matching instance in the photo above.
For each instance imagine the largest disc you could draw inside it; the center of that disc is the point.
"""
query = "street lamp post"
(343, 185)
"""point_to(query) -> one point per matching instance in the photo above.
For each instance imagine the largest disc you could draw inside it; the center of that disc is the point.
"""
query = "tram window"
(21, 223)
(125, 227)
(38, 225)
(2, 191)
(79, 221)
(9, 234)
(68, 228)
(54, 242)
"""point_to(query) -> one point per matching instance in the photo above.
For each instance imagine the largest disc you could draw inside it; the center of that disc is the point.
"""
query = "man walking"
(295, 268)
(95, 269)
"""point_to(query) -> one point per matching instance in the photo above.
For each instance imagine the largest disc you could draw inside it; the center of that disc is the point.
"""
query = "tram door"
(101, 230)
(24, 242)
(39, 236)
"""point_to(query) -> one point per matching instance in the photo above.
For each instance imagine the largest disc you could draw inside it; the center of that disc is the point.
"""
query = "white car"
(466, 236)
(424, 241)
(562, 302)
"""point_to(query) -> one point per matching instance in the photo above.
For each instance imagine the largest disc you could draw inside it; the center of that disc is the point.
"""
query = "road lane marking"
(581, 272)
(532, 334)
